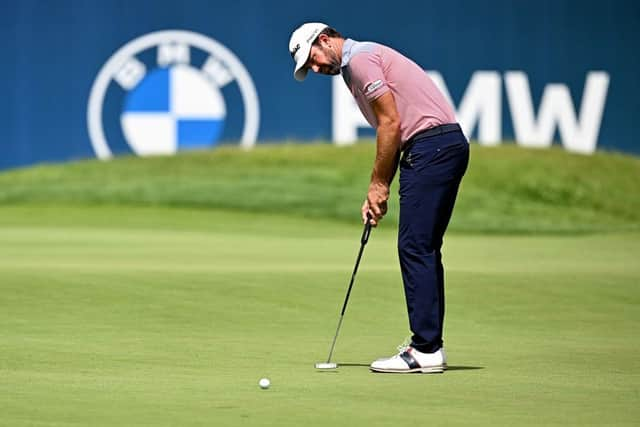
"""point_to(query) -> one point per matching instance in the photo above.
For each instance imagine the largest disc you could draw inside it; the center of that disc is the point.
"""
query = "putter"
(363, 241)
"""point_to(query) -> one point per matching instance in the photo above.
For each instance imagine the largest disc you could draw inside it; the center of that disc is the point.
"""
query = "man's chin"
(330, 71)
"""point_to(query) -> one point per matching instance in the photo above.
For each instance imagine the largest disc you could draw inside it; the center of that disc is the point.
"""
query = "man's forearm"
(387, 154)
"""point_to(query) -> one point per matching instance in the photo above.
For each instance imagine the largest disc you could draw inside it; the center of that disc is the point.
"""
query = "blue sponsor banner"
(85, 79)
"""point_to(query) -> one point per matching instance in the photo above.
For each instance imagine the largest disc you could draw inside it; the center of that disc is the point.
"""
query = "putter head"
(326, 365)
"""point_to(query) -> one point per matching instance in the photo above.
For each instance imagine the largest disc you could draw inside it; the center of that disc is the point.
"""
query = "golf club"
(363, 241)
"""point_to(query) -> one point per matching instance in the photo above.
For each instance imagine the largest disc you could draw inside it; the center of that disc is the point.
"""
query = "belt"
(435, 131)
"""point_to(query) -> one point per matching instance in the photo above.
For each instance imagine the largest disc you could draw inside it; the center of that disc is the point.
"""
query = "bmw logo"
(170, 86)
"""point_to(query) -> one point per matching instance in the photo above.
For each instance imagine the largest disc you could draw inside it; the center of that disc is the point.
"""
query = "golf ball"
(264, 383)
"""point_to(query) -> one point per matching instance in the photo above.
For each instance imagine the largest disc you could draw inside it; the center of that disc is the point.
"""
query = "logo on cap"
(313, 35)
(295, 50)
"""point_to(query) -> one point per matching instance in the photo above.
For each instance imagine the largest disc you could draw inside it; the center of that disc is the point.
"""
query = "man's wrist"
(376, 182)
(379, 187)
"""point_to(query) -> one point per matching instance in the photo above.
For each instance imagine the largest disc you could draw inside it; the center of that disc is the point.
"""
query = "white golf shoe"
(411, 360)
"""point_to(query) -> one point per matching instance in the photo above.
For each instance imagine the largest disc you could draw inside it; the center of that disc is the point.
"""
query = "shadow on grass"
(463, 368)
(449, 368)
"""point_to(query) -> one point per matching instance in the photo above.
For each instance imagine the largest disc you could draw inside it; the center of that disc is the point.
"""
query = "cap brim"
(300, 72)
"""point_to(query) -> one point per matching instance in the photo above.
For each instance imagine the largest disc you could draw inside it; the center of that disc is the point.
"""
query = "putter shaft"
(333, 344)
(363, 241)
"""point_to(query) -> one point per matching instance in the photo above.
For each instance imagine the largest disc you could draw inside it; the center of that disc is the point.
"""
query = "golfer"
(416, 130)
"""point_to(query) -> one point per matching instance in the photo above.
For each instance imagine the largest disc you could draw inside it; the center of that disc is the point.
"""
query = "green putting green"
(116, 315)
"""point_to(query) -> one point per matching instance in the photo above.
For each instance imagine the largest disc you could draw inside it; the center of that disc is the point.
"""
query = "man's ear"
(324, 39)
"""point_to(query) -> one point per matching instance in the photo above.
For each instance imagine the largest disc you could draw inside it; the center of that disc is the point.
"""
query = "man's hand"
(376, 203)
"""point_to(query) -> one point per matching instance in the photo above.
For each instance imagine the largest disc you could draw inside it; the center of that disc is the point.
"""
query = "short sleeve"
(367, 76)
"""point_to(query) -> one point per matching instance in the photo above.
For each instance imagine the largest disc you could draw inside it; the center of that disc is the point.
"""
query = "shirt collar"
(346, 51)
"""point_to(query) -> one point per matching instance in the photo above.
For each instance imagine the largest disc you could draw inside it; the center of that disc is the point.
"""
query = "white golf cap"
(300, 46)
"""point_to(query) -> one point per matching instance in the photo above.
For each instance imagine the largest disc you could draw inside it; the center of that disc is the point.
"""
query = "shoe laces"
(404, 346)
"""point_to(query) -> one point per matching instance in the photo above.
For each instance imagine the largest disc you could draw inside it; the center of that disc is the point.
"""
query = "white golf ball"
(264, 383)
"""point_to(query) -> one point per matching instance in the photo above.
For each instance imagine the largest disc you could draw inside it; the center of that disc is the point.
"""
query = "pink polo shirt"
(371, 69)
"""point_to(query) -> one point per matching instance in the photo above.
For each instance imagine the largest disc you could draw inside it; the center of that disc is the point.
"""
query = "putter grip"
(367, 230)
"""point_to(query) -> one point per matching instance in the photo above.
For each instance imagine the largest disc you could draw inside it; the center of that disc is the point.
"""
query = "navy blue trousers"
(430, 173)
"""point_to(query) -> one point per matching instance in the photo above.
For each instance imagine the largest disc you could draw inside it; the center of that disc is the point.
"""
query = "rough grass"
(507, 188)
